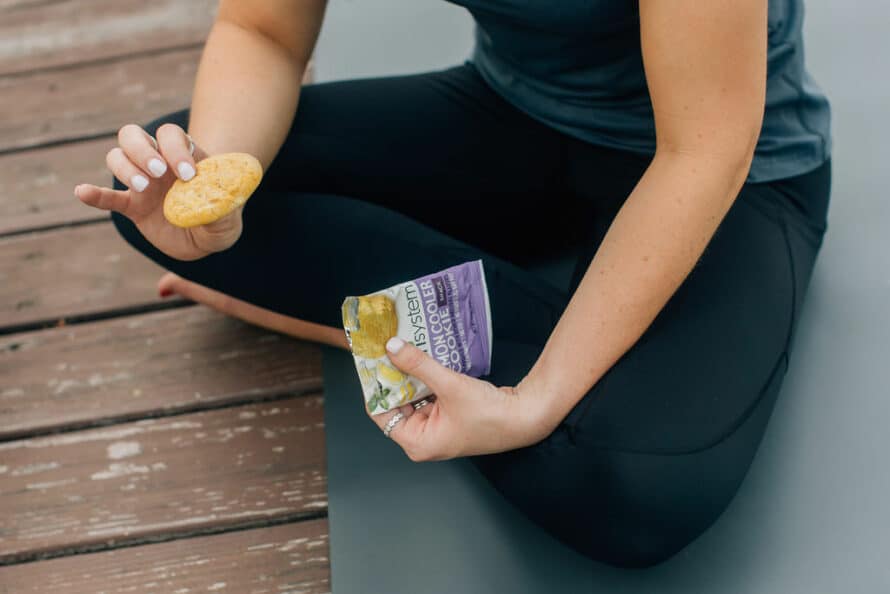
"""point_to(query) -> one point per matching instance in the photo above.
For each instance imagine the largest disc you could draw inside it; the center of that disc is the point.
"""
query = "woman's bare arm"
(706, 70)
(248, 81)
(244, 100)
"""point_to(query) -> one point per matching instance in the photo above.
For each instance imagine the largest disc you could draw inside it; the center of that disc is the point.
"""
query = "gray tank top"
(576, 65)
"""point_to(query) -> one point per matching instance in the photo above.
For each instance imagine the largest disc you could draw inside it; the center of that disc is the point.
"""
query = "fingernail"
(138, 182)
(394, 344)
(165, 292)
(186, 171)
(157, 167)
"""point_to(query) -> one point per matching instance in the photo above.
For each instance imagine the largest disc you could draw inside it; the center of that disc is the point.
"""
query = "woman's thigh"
(441, 148)
(654, 452)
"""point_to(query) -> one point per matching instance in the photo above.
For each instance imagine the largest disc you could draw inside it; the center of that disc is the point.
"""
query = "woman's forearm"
(652, 245)
(248, 80)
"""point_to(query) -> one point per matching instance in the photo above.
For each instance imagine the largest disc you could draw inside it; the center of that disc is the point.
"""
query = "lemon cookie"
(221, 184)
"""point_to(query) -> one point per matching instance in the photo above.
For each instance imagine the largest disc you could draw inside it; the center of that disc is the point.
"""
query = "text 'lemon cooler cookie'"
(221, 184)
(445, 314)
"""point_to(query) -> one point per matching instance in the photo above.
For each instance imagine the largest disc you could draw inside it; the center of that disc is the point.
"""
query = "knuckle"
(113, 157)
(414, 455)
(414, 360)
(166, 128)
(169, 132)
(126, 131)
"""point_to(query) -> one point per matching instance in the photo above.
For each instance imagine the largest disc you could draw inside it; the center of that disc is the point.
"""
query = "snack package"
(221, 184)
(446, 314)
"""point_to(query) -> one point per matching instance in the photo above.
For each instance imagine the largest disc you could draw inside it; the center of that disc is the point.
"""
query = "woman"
(677, 151)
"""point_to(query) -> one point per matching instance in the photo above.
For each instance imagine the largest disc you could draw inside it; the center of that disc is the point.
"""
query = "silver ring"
(392, 423)
(420, 404)
(154, 141)
(191, 145)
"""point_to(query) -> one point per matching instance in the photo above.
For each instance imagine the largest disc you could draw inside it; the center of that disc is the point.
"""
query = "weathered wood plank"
(162, 477)
(37, 186)
(40, 35)
(93, 99)
(288, 558)
(139, 366)
(77, 271)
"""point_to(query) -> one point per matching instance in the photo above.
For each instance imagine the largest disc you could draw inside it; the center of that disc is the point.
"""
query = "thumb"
(413, 361)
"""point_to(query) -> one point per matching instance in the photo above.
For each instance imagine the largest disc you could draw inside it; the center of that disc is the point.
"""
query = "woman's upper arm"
(705, 65)
(292, 24)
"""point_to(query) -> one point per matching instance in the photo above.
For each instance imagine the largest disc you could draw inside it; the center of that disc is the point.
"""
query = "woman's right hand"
(148, 169)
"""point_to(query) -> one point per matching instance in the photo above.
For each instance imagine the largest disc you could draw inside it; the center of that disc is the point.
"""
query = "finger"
(103, 198)
(410, 434)
(174, 145)
(124, 170)
(425, 411)
(413, 361)
(382, 419)
(139, 148)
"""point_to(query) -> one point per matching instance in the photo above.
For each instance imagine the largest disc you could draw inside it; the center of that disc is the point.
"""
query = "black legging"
(387, 179)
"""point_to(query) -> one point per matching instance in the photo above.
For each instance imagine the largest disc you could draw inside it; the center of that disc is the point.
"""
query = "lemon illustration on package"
(445, 314)
(221, 184)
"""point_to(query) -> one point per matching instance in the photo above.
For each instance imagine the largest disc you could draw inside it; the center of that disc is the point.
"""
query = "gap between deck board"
(290, 556)
(85, 101)
(108, 314)
(157, 414)
(53, 34)
(155, 365)
(78, 273)
(53, 227)
(103, 60)
(124, 543)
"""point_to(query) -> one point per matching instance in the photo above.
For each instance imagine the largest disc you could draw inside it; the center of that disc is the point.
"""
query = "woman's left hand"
(468, 416)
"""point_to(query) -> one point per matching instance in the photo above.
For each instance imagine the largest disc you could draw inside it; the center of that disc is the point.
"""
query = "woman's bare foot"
(171, 284)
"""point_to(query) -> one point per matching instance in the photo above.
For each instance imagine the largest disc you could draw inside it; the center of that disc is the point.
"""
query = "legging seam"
(793, 305)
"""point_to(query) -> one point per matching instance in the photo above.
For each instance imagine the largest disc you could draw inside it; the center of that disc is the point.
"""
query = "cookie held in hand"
(221, 184)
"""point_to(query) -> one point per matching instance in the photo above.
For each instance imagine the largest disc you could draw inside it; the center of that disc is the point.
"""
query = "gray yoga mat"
(812, 515)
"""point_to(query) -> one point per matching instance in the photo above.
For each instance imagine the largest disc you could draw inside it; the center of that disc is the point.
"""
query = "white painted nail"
(394, 344)
(186, 171)
(138, 182)
(157, 167)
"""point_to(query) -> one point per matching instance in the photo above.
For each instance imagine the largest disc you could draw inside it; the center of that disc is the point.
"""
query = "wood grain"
(37, 186)
(288, 558)
(162, 477)
(78, 271)
(40, 35)
(163, 362)
(93, 99)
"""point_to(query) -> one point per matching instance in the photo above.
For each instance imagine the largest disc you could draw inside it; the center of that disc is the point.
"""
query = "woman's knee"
(627, 510)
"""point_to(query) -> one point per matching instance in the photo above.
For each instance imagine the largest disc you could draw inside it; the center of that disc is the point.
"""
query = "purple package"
(446, 314)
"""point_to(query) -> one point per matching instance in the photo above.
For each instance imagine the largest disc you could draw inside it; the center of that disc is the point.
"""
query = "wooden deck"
(145, 445)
